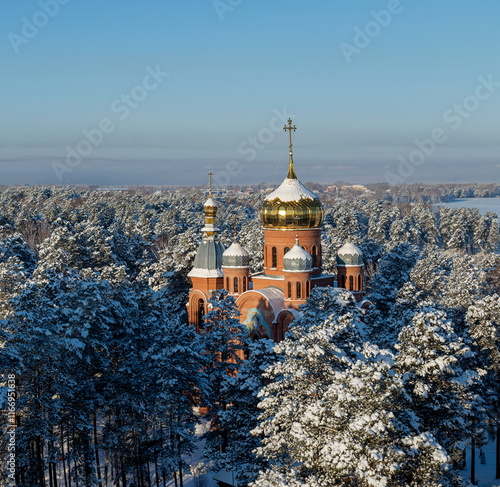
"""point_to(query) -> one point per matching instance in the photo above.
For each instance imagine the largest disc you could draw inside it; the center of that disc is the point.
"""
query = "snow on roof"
(236, 250)
(349, 249)
(291, 190)
(274, 295)
(210, 202)
(295, 312)
(197, 272)
(297, 252)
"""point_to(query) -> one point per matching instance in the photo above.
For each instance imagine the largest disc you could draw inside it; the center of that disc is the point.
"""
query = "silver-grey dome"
(349, 255)
(297, 259)
(236, 256)
(208, 260)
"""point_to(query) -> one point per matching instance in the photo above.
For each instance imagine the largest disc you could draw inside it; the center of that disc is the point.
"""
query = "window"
(299, 291)
(342, 281)
(235, 285)
(351, 283)
(274, 259)
(289, 289)
(308, 289)
(244, 283)
(360, 283)
(287, 249)
(201, 313)
(227, 283)
(314, 254)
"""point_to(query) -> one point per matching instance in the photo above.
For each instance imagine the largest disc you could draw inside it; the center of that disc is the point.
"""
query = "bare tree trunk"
(124, 475)
(63, 455)
(473, 461)
(96, 450)
(156, 470)
(51, 479)
(497, 459)
(149, 473)
(181, 480)
(39, 459)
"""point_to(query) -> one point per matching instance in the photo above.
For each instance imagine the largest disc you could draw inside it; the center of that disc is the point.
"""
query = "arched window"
(314, 254)
(287, 249)
(227, 283)
(308, 289)
(299, 291)
(289, 289)
(351, 283)
(244, 283)
(360, 283)
(201, 313)
(342, 281)
(274, 259)
(235, 285)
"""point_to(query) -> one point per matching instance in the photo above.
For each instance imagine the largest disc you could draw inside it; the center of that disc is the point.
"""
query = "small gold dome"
(292, 205)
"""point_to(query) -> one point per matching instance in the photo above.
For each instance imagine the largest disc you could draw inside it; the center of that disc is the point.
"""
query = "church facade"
(269, 301)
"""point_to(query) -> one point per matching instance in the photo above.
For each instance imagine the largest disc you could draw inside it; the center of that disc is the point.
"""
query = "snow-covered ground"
(485, 474)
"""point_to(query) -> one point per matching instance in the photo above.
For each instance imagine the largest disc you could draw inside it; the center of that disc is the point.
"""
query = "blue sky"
(360, 86)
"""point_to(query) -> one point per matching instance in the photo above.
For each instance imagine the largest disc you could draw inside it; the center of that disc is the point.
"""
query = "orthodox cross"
(234, 227)
(291, 170)
(210, 184)
(290, 127)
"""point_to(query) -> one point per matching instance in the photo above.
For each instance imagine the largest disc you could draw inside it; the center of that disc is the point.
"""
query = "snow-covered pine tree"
(225, 342)
(56, 340)
(394, 270)
(241, 416)
(174, 355)
(483, 320)
(433, 361)
(334, 412)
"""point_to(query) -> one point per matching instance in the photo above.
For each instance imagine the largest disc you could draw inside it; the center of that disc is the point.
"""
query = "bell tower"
(206, 274)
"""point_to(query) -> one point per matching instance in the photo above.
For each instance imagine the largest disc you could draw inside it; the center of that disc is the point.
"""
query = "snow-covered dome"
(210, 202)
(297, 259)
(291, 205)
(236, 256)
(349, 254)
(208, 260)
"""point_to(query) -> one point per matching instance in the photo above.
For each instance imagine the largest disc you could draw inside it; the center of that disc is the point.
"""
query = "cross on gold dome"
(291, 171)
(290, 127)
(210, 184)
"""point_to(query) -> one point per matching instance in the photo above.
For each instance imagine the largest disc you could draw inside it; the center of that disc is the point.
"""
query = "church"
(269, 301)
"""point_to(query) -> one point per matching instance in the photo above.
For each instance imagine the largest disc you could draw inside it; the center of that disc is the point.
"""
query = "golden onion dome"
(291, 205)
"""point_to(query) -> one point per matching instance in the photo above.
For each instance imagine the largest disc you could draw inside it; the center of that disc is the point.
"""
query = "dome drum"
(235, 261)
(236, 256)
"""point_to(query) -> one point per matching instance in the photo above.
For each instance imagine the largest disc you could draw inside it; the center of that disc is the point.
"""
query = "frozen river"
(482, 204)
